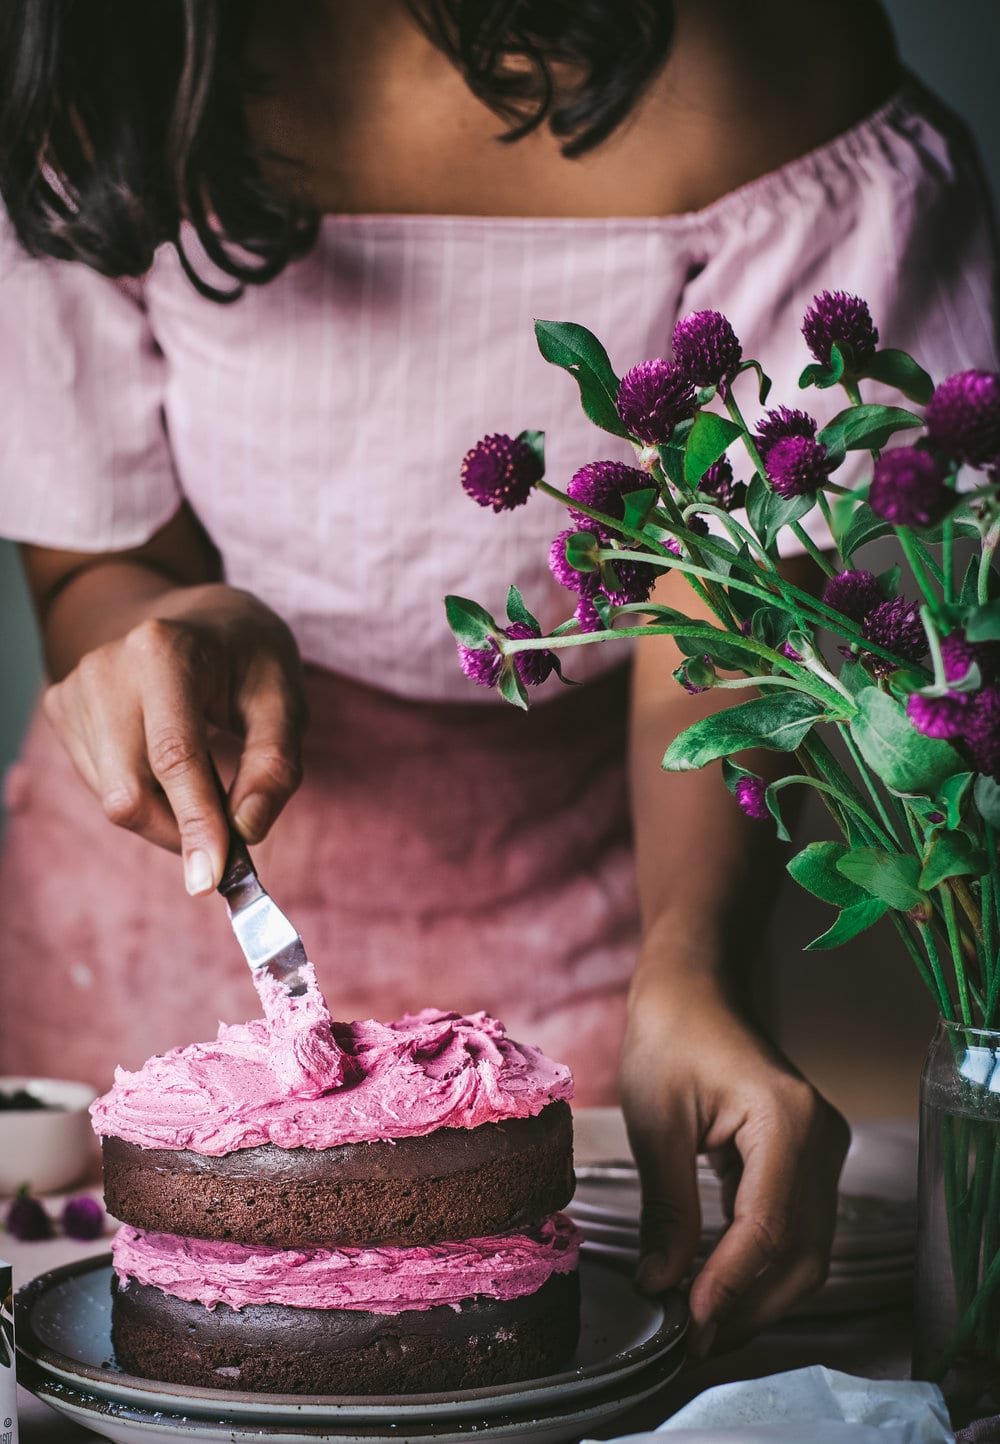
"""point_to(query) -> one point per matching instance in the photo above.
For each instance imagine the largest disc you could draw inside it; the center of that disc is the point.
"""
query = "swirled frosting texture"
(378, 1280)
(427, 1071)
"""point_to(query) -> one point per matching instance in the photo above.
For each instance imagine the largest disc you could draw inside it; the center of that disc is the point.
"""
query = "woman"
(205, 490)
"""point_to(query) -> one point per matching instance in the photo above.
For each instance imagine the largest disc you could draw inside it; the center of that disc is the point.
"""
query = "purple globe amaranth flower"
(718, 483)
(588, 616)
(853, 594)
(652, 398)
(27, 1218)
(938, 716)
(781, 422)
(958, 655)
(603, 485)
(797, 465)
(963, 417)
(533, 667)
(481, 664)
(586, 583)
(707, 348)
(836, 318)
(897, 627)
(635, 581)
(750, 791)
(82, 1217)
(908, 488)
(500, 471)
(981, 733)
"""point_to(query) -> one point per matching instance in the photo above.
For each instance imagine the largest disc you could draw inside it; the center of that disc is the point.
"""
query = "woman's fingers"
(670, 1228)
(270, 765)
(777, 1248)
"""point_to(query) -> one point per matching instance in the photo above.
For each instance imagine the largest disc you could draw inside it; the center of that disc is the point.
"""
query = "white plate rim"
(664, 1339)
(81, 1406)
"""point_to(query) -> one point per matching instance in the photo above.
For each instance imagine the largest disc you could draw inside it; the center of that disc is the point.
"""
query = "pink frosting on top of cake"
(427, 1071)
(378, 1280)
(304, 1055)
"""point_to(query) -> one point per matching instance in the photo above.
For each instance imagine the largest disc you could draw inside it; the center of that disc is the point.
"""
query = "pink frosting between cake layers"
(286, 1080)
(377, 1280)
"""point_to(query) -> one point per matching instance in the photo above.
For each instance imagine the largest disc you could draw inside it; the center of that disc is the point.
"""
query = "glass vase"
(956, 1325)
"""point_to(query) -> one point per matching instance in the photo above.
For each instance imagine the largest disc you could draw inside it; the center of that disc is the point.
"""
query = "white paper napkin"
(837, 1408)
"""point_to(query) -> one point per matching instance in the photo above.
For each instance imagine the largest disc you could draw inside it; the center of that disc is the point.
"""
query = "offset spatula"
(269, 942)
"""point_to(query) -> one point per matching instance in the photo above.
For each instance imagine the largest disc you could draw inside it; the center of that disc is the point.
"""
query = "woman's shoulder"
(748, 87)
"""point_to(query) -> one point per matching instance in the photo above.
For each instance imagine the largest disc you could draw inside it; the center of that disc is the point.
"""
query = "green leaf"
(822, 376)
(638, 504)
(763, 380)
(711, 436)
(969, 594)
(889, 581)
(472, 624)
(510, 686)
(983, 623)
(867, 428)
(579, 352)
(517, 611)
(864, 527)
(986, 794)
(898, 369)
(535, 441)
(951, 854)
(855, 677)
(815, 869)
(778, 723)
(768, 512)
(672, 461)
(954, 791)
(772, 800)
(732, 772)
(851, 921)
(904, 758)
(892, 877)
(581, 551)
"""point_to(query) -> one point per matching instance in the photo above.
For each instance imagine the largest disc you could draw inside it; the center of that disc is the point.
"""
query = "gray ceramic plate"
(64, 1329)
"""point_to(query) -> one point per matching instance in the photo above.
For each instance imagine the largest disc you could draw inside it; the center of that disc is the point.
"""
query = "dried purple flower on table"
(586, 583)
(908, 488)
(27, 1219)
(963, 417)
(481, 664)
(707, 348)
(750, 791)
(897, 627)
(836, 318)
(797, 465)
(500, 471)
(718, 483)
(853, 594)
(533, 667)
(939, 716)
(82, 1217)
(783, 421)
(603, 486)
(652, 398)
(981, 733)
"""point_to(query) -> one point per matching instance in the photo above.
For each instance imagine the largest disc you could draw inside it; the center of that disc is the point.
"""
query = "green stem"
(943, 996)
(927, 976)
(832, 791)
(912, 553)
(820, 558)
(866, 777)
(957, 961)
(948, 560)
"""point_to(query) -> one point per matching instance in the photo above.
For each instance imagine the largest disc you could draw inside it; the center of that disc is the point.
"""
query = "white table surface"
(872, 1344)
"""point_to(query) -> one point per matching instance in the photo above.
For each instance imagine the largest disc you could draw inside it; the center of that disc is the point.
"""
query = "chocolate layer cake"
(326, 1208)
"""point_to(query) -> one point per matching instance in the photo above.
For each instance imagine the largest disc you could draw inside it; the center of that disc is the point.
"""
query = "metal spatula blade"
(269, 942)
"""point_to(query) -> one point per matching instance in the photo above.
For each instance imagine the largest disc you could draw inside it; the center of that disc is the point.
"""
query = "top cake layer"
(294, 1080)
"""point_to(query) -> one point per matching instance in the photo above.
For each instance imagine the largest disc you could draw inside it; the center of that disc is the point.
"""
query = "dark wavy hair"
(118, 118)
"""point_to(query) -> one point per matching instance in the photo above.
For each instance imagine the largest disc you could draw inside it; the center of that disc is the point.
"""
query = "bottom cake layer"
(272, 1348)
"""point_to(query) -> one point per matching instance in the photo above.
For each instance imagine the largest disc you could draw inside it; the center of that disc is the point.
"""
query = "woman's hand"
(697, 1078)
(135, 713)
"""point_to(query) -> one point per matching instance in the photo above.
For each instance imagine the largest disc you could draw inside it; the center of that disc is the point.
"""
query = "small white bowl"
(45, 1148)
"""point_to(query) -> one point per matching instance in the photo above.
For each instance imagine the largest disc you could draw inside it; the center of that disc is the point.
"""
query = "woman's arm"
(148, 651)
(698, 1074)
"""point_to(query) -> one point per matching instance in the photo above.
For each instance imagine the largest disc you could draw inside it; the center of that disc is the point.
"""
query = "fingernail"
(653, 1274)
(198, 876)
(251, 820)
(703, 1339)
